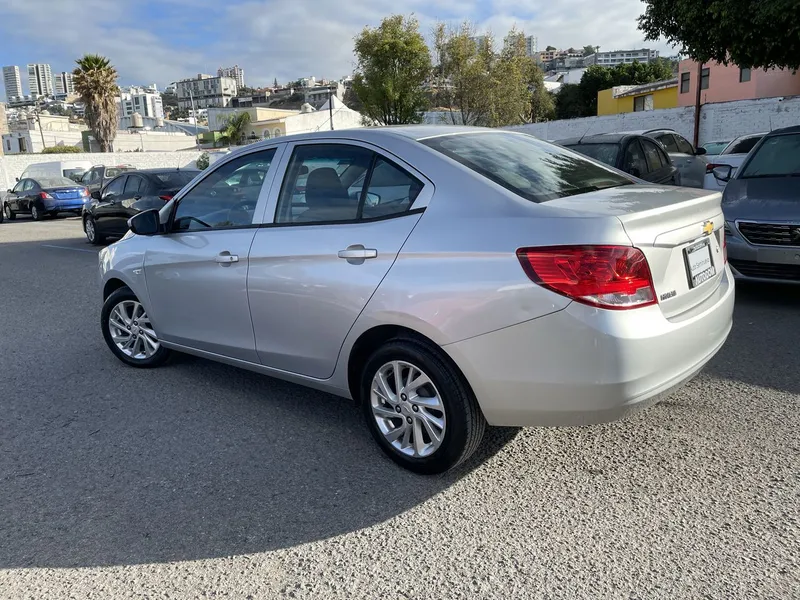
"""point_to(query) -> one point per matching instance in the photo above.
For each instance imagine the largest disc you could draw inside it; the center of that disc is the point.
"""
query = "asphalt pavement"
(198, 480)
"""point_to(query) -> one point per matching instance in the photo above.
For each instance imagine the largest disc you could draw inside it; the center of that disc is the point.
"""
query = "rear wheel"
(10, 214)
(128, 331)
(90, 229)
(419, 408)
(36, 214)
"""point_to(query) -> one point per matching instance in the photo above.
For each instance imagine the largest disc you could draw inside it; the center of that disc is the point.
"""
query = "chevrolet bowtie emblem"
(708, 227)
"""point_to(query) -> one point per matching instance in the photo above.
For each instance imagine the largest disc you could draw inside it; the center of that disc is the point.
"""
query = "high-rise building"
(235, 72)
(40, 80)
(531, 43)
(145, 101)
(205, 91)
(63, 84)
(12, 82)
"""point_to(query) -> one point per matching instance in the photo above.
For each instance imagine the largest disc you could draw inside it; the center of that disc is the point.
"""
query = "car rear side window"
(605, 153)
(668, 142)
(133, 185)
(532, 169)
(655, 158)
(742, 146)
(635, 161)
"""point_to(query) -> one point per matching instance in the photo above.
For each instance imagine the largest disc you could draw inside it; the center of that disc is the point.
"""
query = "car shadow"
(101, 464)
(764, 338)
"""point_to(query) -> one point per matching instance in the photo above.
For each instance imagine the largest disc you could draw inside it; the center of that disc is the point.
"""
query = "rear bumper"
(582, 365)
(75, 204)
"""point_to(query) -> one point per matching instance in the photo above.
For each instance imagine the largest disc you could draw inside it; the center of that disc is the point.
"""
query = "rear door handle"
(225, 258)
(358, 252)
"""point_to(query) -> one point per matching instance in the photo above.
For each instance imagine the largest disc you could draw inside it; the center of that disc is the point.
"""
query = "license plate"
(698, 263)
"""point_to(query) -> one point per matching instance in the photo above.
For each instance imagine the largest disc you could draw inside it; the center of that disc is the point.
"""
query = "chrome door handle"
(226, 258)
(358, 252)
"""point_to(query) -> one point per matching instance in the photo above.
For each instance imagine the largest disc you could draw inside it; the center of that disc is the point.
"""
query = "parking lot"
(201, 480)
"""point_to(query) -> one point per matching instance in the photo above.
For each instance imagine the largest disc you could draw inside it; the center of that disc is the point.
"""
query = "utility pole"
(697, 105)
(36, 110)
(330, 105)
(194, 115)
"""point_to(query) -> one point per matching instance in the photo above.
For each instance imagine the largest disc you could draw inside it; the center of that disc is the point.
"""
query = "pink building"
(719, 83)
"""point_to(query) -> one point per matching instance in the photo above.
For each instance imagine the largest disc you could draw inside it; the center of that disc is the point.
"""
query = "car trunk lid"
(679, 230)
(66, 193)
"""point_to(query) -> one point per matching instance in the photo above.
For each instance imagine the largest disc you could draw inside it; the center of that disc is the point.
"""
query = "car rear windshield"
(742, 146)
(530, 168)
(175, 179)
(778, 156)
(54, 182)
(605, 153)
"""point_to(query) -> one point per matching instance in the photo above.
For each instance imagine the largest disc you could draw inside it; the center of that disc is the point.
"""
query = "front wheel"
(419, 408)
(10, 214)
(90, 229)
(128, 331)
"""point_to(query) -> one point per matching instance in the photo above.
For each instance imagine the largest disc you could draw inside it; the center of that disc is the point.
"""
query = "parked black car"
(98, 176)
(44, 196)
(632, 153)
(108, 212)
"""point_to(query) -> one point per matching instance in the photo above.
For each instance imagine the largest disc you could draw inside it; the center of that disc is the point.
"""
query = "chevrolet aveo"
(444, 278)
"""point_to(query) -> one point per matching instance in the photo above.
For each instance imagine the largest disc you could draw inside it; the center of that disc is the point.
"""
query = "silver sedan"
(445, 278)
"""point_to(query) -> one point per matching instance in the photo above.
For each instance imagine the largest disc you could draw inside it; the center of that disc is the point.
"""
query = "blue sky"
(160, 42)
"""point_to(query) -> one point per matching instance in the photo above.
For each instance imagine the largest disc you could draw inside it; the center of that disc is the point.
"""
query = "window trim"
(419, 205)
(705, 74)
(139, 189)
(741, 74)
(659, 151)
(637, 142)
(269, 180)
(686, 77)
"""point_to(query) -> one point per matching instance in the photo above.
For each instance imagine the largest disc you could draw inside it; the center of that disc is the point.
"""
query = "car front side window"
(18, 188)
(683, 145)
(227, 197)
(668, 142)
(113, 189)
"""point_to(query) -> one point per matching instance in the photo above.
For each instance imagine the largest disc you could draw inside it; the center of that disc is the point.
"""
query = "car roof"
(159, 171)
(649, 131)
(598, 138)
(784, 131)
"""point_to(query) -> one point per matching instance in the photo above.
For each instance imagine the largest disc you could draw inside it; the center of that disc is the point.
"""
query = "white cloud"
(286, 39)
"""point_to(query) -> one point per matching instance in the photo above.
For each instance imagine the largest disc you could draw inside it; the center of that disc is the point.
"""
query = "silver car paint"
(456, 280)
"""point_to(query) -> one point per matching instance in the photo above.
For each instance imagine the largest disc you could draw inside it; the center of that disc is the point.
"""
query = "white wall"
(718, 121)
(343, 118)
(12, 167)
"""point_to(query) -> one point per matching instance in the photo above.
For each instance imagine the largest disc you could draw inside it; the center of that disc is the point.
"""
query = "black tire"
(10, 215)
(465, 423)
(97, 238)
(2, 215)
(156, 360)
(36, 213)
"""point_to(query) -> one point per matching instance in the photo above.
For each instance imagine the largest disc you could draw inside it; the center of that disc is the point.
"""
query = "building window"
(744, 75)
(685, 79)
(704, 77)
(641, 103)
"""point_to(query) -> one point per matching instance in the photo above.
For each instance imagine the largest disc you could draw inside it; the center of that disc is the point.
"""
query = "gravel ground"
(198, 480)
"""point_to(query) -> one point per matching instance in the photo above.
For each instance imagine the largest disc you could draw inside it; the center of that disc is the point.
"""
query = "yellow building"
(635, 98)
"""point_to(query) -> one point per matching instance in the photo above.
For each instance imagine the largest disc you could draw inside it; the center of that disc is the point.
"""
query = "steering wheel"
(244, 205)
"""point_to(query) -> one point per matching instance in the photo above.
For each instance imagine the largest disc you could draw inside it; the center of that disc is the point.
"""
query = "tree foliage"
(62, 150)
(393, 64)
(747, 33)
(203, 161)
(587, 50)
(235, 129)
(569, 102)
(95, 82)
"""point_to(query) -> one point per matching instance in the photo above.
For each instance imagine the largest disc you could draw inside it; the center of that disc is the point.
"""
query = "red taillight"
(166, 198)
(614, 277)
(45, 196)
(711, 166)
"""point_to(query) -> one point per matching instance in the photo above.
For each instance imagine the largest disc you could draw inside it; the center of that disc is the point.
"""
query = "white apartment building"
(12, 82)
(621, 57)
(40, 80)
(205, 91)
(235, 72)
(531, 44)
(140, 100)
(63, 84)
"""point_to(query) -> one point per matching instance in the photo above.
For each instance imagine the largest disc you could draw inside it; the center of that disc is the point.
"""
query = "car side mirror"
(96, 195)
(700, 151)
(9, 191)
(372, 199)
(145, 223)
(722, 173)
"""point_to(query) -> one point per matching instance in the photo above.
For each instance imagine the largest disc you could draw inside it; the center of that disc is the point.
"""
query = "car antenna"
(584, 134)
(770, 123)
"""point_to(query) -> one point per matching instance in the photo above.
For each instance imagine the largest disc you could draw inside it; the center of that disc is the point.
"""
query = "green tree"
(169, 100)
(202, 161)
(518, 92)
(235, 129)
(275, 83)
(62, 150)
(597, 78)
(393, 64)
(587, 50)
(550, 49)
(95, 82)
(569, 102)
(747, 33)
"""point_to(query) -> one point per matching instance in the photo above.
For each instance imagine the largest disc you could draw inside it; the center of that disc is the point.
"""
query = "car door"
(634, 161)
(659, 164)
(135, 187)
(27, 197)
(196, 272)
(14, 195)
(696, 164)
(313, 270)
(104, 212)
(93, 179)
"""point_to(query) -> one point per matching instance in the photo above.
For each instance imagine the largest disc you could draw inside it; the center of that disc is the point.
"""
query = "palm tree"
(95, 81)
(235, 129)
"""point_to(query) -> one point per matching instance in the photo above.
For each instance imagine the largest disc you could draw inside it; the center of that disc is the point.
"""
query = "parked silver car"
(691, 162)
(443, 277)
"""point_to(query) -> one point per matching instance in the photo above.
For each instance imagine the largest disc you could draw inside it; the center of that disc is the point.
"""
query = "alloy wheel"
(35, 213)
(408, 409)
(131, 330)
(88, 227)
(7, 210)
